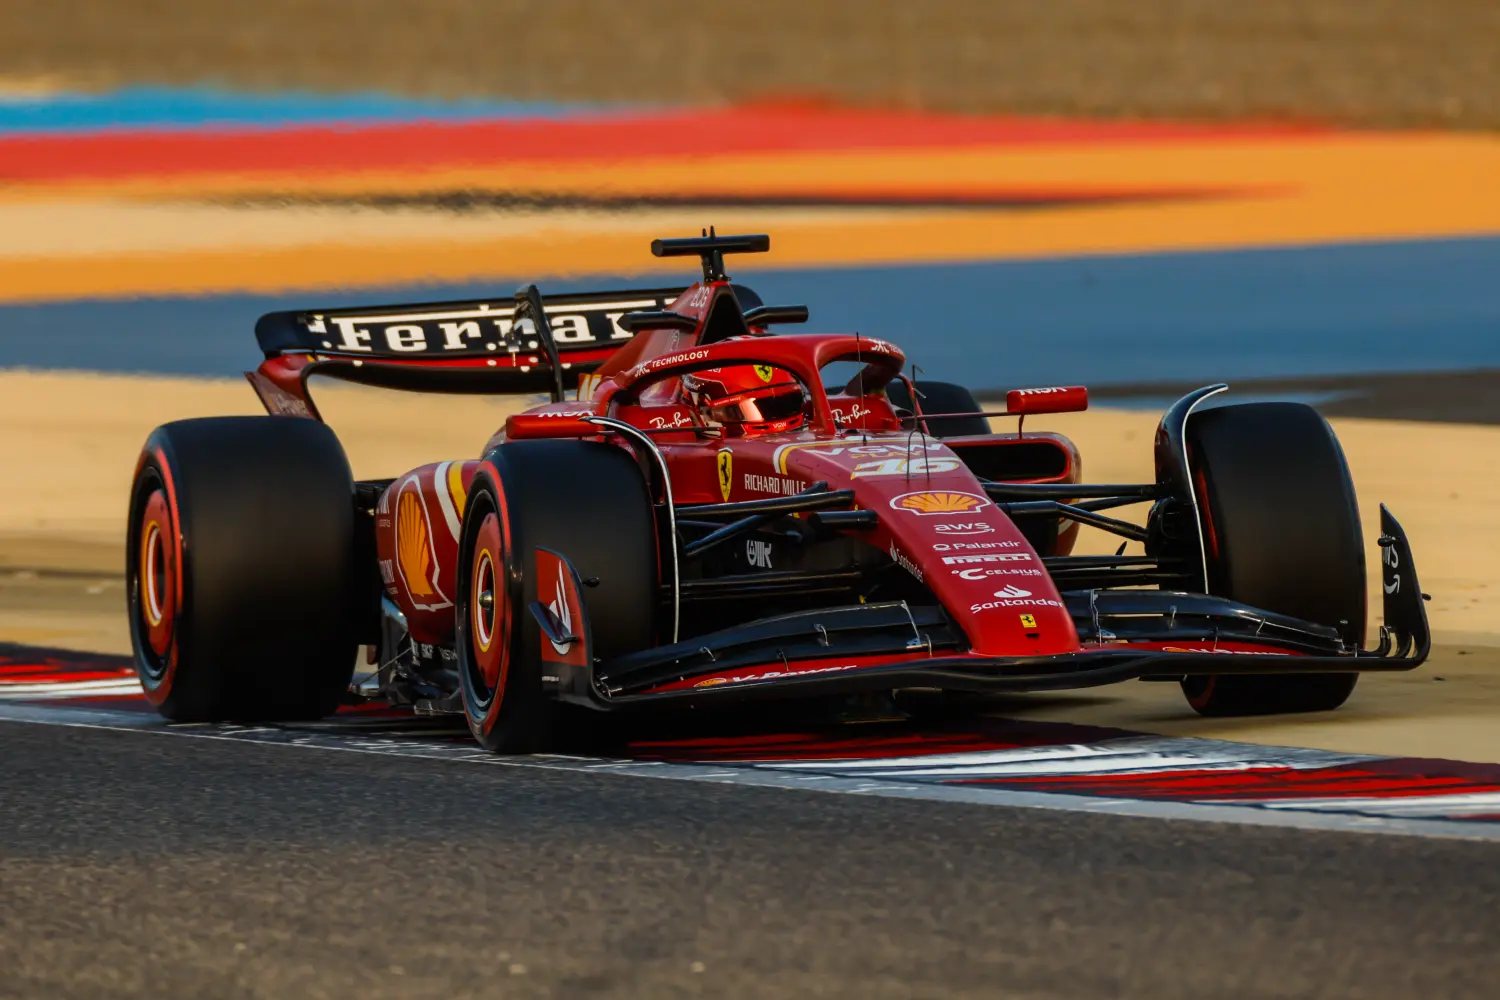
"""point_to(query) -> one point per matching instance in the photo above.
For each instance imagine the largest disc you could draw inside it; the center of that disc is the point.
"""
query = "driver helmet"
(758, 399)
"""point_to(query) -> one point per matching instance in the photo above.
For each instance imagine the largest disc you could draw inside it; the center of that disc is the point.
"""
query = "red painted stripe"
(51, 675)
(1257, 783)
(62, 669)
(762, 128)
(896, 742)
(114, 702)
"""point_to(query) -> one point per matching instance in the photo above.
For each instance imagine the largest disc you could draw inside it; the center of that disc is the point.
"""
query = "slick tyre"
(942, 397)
(589, 502)
(1281, 532)
(239, 560)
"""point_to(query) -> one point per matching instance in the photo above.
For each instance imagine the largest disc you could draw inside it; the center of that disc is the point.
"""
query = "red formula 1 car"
(720, 512)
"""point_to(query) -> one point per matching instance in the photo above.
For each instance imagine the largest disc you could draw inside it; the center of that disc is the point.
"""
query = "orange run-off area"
(134, 214)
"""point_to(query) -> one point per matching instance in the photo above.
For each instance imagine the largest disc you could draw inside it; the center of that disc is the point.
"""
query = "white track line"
(116, 687)
(1281, 814)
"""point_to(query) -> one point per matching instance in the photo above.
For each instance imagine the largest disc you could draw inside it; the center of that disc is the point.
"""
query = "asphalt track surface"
(136, 864)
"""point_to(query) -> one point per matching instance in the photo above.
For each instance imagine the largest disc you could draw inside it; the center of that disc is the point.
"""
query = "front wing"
(880, 648)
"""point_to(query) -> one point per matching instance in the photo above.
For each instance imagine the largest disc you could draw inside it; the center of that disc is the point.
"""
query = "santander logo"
(1010, 590)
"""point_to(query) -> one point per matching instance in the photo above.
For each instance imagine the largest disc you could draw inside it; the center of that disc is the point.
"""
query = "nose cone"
(982, 570)
(938, 524)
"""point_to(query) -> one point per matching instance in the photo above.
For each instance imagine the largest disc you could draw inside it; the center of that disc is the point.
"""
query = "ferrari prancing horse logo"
(726, 473)
(766, 372)
(1028, 621)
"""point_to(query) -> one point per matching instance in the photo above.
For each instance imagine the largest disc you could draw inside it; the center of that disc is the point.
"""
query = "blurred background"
(1301, 197)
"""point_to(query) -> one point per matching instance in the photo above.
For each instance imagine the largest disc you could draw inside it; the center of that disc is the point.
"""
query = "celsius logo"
(1011, 590)
(980, 574)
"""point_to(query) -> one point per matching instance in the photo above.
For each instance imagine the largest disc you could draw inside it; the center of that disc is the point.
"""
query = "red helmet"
(759, 399)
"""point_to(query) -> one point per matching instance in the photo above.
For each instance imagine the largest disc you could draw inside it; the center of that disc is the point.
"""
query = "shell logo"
(928, 503)
(411, 545)
(416, 559)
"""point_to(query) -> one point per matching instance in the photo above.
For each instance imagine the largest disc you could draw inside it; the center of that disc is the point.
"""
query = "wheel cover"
(156, 574)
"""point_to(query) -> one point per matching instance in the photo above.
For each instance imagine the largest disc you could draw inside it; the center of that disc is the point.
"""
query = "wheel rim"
(1199, 689)
(484, 605)
(156, 577)
(489, 610)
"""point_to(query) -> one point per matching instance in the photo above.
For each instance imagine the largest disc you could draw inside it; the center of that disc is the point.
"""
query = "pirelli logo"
(987, 557)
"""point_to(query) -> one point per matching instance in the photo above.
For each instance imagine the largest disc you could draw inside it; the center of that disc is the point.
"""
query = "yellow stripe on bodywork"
(456, 487)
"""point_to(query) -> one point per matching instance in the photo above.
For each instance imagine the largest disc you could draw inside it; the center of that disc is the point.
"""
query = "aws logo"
(416, 557)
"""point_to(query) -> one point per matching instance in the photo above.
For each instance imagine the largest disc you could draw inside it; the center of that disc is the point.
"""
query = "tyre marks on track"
(981, 761)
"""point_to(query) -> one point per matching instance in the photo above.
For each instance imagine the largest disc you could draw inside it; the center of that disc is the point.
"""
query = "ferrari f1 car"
(706, 510)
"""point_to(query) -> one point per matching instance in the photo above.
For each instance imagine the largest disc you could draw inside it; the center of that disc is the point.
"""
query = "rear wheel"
(589, 502)
(239, 558)
(1282, 532)
(942, 397)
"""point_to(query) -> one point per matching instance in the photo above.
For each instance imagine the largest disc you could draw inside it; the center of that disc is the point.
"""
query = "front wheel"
(589, 502)
(1281, 532)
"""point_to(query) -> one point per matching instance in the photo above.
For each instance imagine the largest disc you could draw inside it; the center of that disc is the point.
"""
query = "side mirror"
(549, 424)
(1054, 399)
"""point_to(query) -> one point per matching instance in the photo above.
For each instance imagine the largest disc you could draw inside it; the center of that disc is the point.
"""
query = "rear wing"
(520, 344)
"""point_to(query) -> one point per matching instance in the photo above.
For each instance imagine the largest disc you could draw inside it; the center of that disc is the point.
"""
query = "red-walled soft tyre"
(240, 559)
(589, 502)
(1282, 533)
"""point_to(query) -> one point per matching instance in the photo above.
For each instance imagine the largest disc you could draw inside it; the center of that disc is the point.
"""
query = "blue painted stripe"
(166, 108)
(1416, 306)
